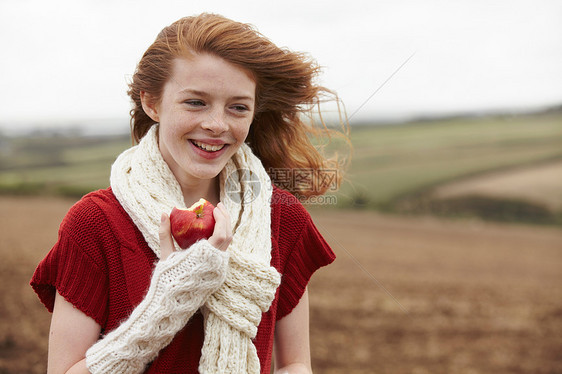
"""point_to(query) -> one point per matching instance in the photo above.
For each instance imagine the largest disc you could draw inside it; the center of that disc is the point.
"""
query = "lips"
(208, 147)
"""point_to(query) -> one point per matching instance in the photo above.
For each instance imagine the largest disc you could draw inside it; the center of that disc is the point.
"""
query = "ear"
(150, 106)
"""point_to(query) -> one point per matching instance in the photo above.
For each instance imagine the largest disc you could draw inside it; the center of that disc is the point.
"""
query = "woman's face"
(205, 113)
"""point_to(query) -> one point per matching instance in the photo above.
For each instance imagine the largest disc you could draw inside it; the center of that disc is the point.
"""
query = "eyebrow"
(205, 94)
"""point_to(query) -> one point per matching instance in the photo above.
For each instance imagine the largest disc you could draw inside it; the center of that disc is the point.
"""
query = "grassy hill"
(394, 168)
(56, 164)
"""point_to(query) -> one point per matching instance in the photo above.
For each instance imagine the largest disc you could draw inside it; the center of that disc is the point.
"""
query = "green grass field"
(58, 165)
(389, 163)
(393, 162)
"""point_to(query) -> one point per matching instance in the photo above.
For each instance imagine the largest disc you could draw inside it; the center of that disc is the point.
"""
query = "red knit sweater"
(102, 265)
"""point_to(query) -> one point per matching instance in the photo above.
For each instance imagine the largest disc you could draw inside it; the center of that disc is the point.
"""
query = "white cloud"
(70, 60)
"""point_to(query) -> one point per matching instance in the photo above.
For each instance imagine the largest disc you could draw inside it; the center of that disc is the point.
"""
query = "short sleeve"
(73, 267)
(309, 253)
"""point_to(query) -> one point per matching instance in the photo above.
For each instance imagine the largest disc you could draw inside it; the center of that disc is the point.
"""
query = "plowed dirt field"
(406, 295)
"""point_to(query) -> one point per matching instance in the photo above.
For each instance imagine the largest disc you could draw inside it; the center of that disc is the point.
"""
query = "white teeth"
(208, 147)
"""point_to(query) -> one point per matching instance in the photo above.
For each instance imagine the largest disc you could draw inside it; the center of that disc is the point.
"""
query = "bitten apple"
(192, 224)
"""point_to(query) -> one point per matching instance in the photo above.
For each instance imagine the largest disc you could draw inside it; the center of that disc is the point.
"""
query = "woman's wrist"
(179, 287)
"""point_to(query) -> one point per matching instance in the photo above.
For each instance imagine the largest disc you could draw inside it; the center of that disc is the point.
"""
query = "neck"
(208, 189)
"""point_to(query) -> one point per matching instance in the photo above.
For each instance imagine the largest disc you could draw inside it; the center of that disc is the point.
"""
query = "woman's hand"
(221, 238)
(222, 235)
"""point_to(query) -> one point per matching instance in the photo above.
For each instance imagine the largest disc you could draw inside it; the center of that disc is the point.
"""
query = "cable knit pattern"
(145, 187)
(236, 308)
(233, 313)
(179, 286)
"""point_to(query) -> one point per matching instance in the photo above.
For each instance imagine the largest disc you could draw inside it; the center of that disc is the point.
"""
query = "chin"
(207, 174)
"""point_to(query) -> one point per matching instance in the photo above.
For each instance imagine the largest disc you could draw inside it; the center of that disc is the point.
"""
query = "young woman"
(217, 113)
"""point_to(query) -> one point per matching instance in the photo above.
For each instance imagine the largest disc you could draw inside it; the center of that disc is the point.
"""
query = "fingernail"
(162, 218)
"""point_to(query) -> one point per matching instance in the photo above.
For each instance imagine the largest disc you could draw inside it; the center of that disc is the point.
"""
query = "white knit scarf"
(146, 187)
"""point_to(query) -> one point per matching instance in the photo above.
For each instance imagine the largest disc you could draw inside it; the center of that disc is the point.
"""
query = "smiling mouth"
(207, 147)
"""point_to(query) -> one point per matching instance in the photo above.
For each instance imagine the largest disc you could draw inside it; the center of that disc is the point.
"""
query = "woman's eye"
(240, 108)
(195, 102)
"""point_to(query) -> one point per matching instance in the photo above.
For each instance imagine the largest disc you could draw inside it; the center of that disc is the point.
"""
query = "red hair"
(285, 90)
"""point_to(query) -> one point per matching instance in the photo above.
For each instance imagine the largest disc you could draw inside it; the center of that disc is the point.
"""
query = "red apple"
(192, 224)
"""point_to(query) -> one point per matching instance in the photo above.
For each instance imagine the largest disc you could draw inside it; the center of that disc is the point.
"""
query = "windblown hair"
(285, 92)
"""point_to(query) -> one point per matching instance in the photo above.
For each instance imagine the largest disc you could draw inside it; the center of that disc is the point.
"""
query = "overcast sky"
(70, 60)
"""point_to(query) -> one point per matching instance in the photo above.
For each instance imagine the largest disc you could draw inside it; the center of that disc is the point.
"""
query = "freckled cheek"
(241, 136)
(241, 132)
(183, 124)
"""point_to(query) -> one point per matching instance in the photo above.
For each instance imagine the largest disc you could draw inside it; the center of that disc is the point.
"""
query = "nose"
(215, 123)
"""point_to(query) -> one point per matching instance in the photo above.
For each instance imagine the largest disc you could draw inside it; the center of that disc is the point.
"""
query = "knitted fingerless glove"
(178, 288)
